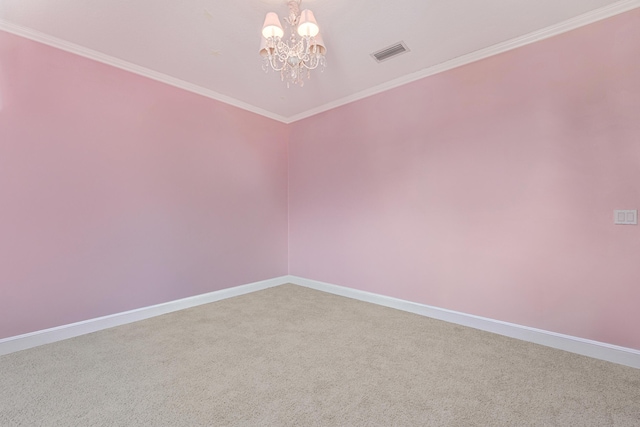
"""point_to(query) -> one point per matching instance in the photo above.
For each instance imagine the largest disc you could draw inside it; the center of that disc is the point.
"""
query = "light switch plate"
(625, 217)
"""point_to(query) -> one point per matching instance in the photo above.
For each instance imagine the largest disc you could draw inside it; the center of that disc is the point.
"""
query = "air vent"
(390, 52)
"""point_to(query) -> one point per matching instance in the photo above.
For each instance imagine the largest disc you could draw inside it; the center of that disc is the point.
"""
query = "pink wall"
(488, 189)
(118, 192)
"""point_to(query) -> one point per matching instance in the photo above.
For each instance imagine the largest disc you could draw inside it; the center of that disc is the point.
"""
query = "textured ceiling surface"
(212, 45)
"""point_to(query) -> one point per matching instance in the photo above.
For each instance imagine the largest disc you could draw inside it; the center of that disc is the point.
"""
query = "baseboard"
(46, 336)
(598, 350)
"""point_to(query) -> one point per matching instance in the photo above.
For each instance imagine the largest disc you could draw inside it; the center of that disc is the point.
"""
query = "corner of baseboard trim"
(59, 333)
(594, 349)
(597, 350)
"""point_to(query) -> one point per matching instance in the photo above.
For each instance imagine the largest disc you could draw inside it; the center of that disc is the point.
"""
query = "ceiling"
(211, 46)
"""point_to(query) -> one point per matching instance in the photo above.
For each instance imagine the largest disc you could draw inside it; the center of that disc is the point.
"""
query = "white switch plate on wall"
(625, 217)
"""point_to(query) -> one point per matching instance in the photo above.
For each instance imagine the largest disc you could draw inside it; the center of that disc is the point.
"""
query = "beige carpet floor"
(292, 356)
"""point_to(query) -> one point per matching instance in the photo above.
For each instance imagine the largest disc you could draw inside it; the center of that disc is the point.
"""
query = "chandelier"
(303, 52)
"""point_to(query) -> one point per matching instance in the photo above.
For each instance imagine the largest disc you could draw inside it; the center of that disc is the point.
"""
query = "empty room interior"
(319, 212)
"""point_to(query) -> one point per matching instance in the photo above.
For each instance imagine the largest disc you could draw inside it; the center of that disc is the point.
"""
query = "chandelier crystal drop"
(303, 52)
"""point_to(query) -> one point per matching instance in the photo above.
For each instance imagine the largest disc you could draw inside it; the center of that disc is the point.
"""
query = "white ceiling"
(211, 46)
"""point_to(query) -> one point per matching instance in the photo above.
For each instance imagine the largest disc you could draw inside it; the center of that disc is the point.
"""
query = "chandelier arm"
(274, 65)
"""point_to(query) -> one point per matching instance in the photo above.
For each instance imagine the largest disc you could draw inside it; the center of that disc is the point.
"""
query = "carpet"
(293, 356)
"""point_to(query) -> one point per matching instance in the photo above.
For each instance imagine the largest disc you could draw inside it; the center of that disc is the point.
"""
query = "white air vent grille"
(390, 52)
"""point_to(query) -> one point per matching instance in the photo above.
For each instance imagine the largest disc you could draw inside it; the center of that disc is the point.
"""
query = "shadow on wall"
(4, 82)
(2, 91)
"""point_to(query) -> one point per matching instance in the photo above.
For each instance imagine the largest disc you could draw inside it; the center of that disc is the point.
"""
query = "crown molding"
(43, 38)
(545, 33)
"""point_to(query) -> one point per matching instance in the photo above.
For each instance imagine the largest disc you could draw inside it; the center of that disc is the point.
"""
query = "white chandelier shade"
(304, 51)
(265, 49)
(308, 25)
(319, 43)
(272, 26)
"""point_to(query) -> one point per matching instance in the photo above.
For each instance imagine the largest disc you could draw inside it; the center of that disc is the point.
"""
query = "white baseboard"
(598, 350)
(59, 333)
